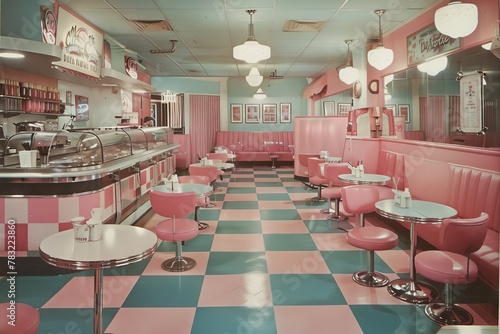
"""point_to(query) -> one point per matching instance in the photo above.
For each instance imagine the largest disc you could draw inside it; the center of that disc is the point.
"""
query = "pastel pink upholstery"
(333, 191)
(217, 156)
(200, 201)
(273, 150)
(303, 160)
(315, 176)
(451, 264)
(249, 146)
(211, 172)
(177, 228)
(361, 199)
(358, 200)
(392, 165)
(27, 319)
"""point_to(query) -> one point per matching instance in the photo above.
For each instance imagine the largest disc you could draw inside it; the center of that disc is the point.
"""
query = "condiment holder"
(402, 198)
(81, 230)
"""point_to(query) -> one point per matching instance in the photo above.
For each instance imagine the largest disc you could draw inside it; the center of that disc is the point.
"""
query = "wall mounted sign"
(429, 43)
(80, 42)
(471, 108)
(131, 67)
(82, 108)
(49, 25)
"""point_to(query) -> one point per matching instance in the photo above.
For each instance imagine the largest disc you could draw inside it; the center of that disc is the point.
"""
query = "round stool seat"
(185, 229)
(27, 319)
(332, 192)
(445, 267)
(372, 238)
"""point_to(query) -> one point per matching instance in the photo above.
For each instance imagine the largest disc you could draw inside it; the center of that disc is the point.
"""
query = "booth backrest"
(254, 141)
(392, 165)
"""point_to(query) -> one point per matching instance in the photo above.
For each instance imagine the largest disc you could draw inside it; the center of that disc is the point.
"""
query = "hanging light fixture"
(457, 19)
(380, 57)
(259, 95)
(434, 66)
(251, 51)
(348, 74)
(254, 78)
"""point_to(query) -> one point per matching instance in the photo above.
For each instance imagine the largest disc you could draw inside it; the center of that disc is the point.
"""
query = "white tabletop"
(119, 245)
(202, 190)
(365, 179)
(220, 165)
(419, 212)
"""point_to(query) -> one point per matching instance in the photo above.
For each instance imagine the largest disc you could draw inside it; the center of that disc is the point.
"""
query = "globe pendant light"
(259, 95)
(457, 19)
(254, 78)
(348, 74)
(251, 51)
(380, 57)
(434, 66)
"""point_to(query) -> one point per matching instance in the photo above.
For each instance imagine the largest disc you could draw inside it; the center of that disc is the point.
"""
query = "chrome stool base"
(210, 205)
(178, 264)
(202, 226)
(318, 199)
(448, 315)
(372, 279)
(327, 211)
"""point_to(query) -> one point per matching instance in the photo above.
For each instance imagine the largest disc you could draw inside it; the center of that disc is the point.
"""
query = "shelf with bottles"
(20, 104)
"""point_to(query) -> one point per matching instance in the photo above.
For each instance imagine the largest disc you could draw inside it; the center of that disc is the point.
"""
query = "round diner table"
(219, 165)
(120, 245)
(420, 212)
(368, 179)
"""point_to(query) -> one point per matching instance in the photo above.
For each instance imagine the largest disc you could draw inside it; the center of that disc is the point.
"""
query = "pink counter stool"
(211, 172)
(333, 192)
(359, 200)
(315, 177)
(200, 201)
(273, 148)
(458, 238)
(27, 319)
(176, 228)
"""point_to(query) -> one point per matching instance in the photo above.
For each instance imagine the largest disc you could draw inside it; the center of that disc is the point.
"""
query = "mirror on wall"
(335, 105)
(431, 103)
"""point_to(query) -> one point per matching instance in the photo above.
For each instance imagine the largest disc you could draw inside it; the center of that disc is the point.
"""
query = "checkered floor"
(269, 263)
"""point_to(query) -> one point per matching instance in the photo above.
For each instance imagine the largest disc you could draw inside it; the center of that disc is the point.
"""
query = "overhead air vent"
(152, 25)
(302, 26)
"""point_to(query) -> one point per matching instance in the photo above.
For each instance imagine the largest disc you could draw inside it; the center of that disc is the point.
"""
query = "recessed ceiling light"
(11, 55)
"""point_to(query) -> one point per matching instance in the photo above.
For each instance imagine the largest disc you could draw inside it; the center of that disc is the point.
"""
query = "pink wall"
(488, 16)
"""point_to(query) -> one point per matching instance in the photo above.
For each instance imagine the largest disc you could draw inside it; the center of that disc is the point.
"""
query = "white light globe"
(251, 52)
(348, 74)
(380, 57)
(457, 19)
(254, 78)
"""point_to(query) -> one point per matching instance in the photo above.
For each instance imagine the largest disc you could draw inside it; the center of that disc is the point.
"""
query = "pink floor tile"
(270, 190)
(283, 226)
(238, 243)
(251, 290)
(240, 197)
(154, 266)
(355, 293)
(266, 205)
(332, 241)
(79, 292)
(152, 320)
(301, 196)
(234, 184)
(397, 260)
(296, 262)
(239, 215)
(316, 319)
(312, 214)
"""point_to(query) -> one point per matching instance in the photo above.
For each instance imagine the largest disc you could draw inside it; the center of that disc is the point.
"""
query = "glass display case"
(79, 148)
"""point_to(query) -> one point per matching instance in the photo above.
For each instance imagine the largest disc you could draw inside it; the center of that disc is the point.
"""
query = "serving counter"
(76, 171)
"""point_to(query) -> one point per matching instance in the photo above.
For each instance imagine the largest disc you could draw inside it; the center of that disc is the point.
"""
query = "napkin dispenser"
(323, 154)
(402, 198)
(357, 171)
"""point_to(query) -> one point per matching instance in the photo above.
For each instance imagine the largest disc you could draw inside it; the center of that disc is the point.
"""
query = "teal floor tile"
(273, 197)
(32, 290)
(217, 197)
(271, 176)
(226, 263)
(347, 262)
(305, 289)
(208, 214)
(383, 319)
(175, 291)
(242, 179)
(322, 226)
(269, 184)
(72, 320)
(241, 190)
(289, 242)
(300, 190)
(279, 214)
(202, 243)
(240, 205)
(308, 204)
(238, 227)
(239, 171)
(288, 179)
(234, 320)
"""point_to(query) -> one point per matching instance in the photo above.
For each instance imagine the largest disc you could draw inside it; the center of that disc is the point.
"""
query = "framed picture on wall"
(236, 113)
(391, 107)
(343, 109)
(404, 110)
(82, 108)
(328, 108)
(285, 112)
(252, 113)
(269, 113)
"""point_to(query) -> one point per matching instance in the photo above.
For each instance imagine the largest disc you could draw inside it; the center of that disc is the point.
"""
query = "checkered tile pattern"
(269, 263)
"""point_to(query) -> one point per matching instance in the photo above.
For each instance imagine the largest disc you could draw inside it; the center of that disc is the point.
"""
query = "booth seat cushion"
(253, 144)
(392, 165)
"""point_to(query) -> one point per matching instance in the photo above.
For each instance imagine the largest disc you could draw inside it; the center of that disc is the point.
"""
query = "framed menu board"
(471, 105)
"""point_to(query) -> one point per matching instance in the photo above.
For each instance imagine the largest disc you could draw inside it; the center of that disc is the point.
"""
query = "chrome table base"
(412, 291)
